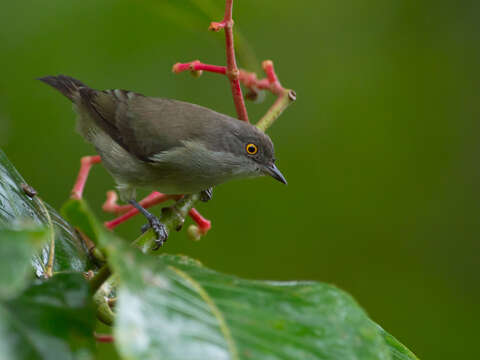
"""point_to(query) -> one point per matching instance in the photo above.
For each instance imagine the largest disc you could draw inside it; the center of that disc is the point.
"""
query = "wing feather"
(146, 126)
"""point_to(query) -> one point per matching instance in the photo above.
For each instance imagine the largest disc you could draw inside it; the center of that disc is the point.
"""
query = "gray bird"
(172, 146)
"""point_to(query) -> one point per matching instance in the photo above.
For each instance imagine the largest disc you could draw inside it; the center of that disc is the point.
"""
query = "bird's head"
(251, 152)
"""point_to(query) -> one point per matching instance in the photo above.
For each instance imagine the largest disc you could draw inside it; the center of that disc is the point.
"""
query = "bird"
(168, 145)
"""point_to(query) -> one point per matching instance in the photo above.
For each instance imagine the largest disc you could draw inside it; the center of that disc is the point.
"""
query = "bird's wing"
(103, 107)
(146, 126)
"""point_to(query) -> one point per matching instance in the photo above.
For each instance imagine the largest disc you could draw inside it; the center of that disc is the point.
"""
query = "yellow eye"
(252, 149)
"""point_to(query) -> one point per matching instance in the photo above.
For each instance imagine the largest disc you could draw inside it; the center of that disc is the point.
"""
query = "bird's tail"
(67, 85)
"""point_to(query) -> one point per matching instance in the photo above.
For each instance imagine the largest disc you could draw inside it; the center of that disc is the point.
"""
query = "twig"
(100, 277)
(232, 69)
(111, 203)
(173, 217)
(198, 66)
(51, 249)
(249, 79)
(203, 225)
(104, 338)
(128, 211)
(283, 101)
(86, 163)
(94, 252)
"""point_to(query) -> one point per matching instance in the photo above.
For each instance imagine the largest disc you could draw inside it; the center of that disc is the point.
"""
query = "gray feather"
(67, 85)
(174, 146)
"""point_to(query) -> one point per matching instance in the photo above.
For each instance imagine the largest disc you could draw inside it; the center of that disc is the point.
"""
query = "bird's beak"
(273, 171)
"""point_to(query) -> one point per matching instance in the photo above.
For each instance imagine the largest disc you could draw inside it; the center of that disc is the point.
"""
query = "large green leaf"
(52, 319)
(16, 206)
(398, 350)
(172, 307)
(16, 251)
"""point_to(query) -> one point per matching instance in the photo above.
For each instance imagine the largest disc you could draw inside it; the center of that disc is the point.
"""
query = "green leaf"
(183, 310)
(16, 251)
(398, 350)
(78, 213)
(16, 208)
(52, 319)
(171, 307)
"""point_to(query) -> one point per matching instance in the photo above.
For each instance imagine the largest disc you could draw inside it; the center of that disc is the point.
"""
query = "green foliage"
(172, 307)
(168, 307)
(40, 319)
(397, 350)
(17, 251)
(186, 311)
(51, 319)
(17, 208)
(380, 150)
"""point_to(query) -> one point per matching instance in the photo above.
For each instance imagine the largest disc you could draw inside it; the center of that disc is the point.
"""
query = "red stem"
(121, 219)
(275, 86)
(154, 198)
(104, 338)
(228, 10)
(128, 211)
(232, 69)
(198, 66)
(235, 75)
(86, 164)
(248, 79)
(111, 205)
(203, 224)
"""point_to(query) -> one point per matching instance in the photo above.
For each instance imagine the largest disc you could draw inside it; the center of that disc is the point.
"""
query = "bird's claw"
(159, 229)
(206, 195)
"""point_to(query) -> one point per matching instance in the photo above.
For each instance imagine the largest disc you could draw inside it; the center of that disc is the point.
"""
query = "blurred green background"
(380, 150)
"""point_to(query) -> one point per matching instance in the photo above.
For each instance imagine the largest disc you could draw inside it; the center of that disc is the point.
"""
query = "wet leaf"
(398, 350)
(172, 307)
(52, 319)
(78, 213)
(16, 250)
(17, 207)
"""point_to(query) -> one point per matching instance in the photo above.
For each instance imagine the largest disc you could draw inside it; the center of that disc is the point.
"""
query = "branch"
(51, 249)
(104, 338)
(172, 217)
(194, 231)
(86, 163)
(179, 211)
(232, 69)
(102, 275)
(284, 96)
(249, 79)
(198, 67)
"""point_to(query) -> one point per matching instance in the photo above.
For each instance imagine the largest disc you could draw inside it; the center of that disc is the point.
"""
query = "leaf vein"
(215, 310)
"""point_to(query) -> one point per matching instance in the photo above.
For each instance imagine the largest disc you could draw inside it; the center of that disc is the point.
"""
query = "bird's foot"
(206, 195)
(159, 229)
